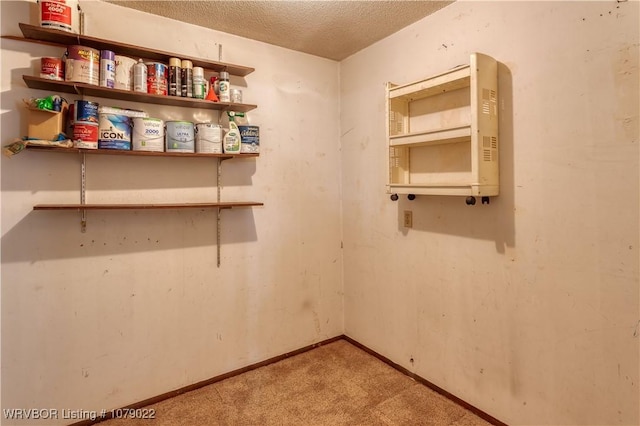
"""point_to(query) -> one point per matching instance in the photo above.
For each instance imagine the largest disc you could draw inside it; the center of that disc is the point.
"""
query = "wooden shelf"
(433, 137)
(36, 34)
(126, 95)
(221, 205)
(36, 148)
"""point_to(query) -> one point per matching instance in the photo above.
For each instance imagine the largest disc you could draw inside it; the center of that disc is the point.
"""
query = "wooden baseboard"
(425, 382)
(489, 418)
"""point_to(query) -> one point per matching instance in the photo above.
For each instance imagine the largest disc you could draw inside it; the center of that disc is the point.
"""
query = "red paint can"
(52, 68)
(85, 136)
(157, 78)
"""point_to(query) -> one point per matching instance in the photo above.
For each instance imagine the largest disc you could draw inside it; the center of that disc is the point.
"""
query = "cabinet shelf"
(36, 148)
(126, 95)
(36, 34)
(454, 79)
(78, 207)
(432, 137)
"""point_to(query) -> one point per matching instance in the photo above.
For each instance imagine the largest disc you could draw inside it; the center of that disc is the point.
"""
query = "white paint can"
(124, 72)
(114, 131)
(208, 138)
(147, 134)
(179, 136)
(82, 65)
(59, 15)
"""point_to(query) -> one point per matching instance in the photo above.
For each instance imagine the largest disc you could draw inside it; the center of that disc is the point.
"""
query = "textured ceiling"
(330, 29)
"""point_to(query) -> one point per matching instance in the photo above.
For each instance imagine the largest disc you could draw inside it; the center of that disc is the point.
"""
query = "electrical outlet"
(408, 219)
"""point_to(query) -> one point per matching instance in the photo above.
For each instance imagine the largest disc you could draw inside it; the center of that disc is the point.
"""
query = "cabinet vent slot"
(489, 95)
(486, 154)
(485, 107)
(490, 142)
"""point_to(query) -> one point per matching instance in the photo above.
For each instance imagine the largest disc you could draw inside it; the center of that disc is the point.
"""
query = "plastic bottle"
(231, 143)
(140, 77)
(198, 83)
(187, 79)
(225, 90)
(175, 69)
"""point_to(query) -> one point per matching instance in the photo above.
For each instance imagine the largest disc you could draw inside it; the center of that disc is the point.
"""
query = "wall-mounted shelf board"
(36, 34)
(78, 207)
(35, 148)
(126, 95)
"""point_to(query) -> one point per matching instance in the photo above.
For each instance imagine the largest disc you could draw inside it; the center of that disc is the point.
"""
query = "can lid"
(187, 64)
(198, 72)
(175, 62)
(224, 75)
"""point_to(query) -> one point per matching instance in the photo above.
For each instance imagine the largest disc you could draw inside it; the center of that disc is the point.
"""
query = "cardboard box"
(45, 124)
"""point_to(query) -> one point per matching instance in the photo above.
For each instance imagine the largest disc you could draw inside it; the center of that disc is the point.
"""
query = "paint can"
(124, 72)
(85, 135)
(59, 14)
(85, 112)
(208, 138)
(52, 68)
(114, 131)
(107, 69)
(179, 136)
(147, 134)
(157, 78)
(82, 65)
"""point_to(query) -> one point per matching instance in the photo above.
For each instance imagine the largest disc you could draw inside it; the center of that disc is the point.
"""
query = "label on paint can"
(107, 69)
(249, 139)
(157, 78)
(82, 65)
(179, 136)
(85, 136)
(208, 138)
(114, 132)
(56, 14)
(52, 68)
(147, 134)
(85, 112)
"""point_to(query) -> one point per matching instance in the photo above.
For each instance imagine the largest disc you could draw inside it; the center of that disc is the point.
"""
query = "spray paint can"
(199, 90)
(175, 69)
(225, 90)
(187, 79)
(140, 77)
(107, 69)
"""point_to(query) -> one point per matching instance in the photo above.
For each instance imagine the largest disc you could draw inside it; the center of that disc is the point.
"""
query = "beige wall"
(136, 306)
(526, 308)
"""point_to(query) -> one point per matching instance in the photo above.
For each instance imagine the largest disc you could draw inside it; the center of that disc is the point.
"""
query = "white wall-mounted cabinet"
(442, 132)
